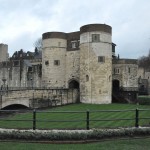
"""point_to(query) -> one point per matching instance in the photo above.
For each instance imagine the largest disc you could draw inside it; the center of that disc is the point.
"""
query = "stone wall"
(144, 81)
(56, 49)
(38, 98)
(72, 66)
(126, 72)
(19, 75)
(84, 56)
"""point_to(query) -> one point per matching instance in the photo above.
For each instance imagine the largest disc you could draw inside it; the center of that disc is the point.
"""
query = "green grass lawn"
(129, 144)
(144, 99)
(80, 117)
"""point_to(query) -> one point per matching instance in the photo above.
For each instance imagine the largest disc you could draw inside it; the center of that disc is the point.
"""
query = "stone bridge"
(38, 98)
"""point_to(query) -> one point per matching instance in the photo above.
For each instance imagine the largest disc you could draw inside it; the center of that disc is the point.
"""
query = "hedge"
(94, 134)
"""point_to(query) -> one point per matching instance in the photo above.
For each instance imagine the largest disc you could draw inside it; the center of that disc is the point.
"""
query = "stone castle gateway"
(80, 59)
(83, 60)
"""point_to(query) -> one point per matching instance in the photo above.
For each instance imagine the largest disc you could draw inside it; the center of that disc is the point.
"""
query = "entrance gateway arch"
(115, 90)
(116, 85)
(73, 84)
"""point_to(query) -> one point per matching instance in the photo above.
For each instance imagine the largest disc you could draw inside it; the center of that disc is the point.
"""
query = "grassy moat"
(79, 115)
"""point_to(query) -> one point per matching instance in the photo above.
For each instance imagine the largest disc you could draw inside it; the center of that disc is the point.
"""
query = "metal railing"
(87, 120)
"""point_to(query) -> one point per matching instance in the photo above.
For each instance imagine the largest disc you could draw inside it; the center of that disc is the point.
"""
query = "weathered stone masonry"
(83, 60)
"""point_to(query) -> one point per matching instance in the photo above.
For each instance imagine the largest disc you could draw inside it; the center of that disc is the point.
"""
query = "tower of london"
(84, 60)
(81, 59)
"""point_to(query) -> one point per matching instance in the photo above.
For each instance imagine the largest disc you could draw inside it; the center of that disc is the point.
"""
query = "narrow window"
(30, 69)
(59, 44)
(10, 74)
(129, 70)
(101, 59)
(73, 44)
(87, 78)
(56, 62)
(109, 78)
(95, 38)
(16, 63)
(116, 70)
(47, 62)
(4, 64)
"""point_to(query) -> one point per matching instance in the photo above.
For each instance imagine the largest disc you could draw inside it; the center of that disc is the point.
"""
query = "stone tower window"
(116, 70)
(95, 38)
(56, 62)
(10, 74)
(4, 64)
(47, 62)
(101, 59)
(16, 63)
(129, 70)
(73, 44)
(87, 78)
(109, 78)
(59, 44)
(30, 69)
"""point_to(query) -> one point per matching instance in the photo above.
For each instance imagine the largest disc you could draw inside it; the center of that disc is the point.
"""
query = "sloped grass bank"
(144, 100)
(72, 135)
(25, 120)
(114, 144)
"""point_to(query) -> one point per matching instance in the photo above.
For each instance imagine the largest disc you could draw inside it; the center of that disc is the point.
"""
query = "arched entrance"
(115, 91)
(15, 107)
(115, 85)
(73, 84)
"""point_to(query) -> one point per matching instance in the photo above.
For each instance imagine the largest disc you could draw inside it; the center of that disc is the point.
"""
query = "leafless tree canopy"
(38, 44)
(144, 61)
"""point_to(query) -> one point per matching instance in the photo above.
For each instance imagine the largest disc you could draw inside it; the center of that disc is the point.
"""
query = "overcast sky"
(22, 22)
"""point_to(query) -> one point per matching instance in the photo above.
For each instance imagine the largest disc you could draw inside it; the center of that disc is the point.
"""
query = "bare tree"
(144, 61)
(38, 44)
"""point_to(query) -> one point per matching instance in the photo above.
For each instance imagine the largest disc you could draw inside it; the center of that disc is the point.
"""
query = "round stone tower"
(95, 63)
(53, 59)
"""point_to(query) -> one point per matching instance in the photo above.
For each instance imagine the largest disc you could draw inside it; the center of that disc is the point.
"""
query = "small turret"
(3, 52)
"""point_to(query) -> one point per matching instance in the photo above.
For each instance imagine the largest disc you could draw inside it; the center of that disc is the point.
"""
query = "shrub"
(95, 134)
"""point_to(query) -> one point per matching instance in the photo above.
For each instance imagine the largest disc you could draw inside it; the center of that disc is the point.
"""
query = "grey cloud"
(27, 20)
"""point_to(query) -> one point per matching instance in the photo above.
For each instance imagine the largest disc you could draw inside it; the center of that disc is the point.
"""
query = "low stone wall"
(39, 98)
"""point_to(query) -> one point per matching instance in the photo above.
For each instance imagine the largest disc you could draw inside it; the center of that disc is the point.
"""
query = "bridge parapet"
(39, 98)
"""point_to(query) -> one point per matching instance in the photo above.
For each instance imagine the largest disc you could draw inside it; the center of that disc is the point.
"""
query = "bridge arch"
(15, 107)
(6, 103)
